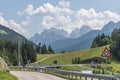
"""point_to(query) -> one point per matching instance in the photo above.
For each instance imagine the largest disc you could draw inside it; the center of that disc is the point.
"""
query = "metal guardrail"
(77, 75)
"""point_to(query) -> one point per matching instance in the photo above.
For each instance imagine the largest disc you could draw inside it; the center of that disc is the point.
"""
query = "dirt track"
(23, 75)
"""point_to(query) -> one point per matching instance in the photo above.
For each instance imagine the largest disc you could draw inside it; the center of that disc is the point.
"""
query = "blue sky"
(33, 16)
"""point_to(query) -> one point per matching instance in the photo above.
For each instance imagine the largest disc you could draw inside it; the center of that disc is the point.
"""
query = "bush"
(76, 60)
(55, 61)
(103, 71)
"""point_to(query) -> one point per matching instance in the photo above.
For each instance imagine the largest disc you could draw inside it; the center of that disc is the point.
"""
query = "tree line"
(101, 40)
(43, 49)
(115, 45)
(9, 51)
(113, 41)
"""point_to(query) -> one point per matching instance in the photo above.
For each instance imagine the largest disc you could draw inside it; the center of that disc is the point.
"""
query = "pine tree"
(79, 60)
(76, 60)
(44, 49)
(50, 50)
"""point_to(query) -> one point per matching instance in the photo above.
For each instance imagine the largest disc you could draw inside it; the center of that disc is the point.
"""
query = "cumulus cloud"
(28, 10)
(48, 22)
(64, 4)
(96, 20)
(3, 21)
(45, 9)
(61, 16)
(17, 27)
(14, 26)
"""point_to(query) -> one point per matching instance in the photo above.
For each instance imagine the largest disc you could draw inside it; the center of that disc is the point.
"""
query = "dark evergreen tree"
(50, 50)
(63, 51)
(115, 46)
(76, 60)
(73, 62)
(101, 40)
(79, 60)
(38, 48)
(28, 52)
(44, 49)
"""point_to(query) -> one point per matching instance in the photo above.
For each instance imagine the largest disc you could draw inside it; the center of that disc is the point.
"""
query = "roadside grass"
(6, 76)
(0, 65)
(115, 66)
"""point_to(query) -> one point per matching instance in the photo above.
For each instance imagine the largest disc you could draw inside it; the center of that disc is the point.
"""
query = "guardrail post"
(80, 77)
(75, 77)
(68, 75)
(99, 78)
(91, 78)
(85, 77)
(72, 76)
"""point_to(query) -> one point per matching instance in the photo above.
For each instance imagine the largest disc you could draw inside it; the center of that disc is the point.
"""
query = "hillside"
(66, 58)
(85, 56)
(6, 33)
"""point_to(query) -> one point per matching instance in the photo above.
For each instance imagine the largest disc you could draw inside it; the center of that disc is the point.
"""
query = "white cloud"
(28, 10)
(3, 21)
(45, 9)
(14, 26)
(64, 4)
(55, 21)
(96, 20)
(62, 17)
(17, 27)
(48, 22)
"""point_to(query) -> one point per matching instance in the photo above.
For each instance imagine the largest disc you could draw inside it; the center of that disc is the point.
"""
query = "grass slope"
(66, 58)
(6, 76)
(3, 32)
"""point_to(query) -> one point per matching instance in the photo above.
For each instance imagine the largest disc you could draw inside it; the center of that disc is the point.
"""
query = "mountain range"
(84, 41)
(79, 32)
(49, 36)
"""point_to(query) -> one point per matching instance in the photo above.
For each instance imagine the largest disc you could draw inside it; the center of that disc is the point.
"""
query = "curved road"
(24, 75)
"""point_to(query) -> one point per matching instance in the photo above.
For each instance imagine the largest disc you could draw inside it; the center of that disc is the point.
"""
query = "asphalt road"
(24, 75)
